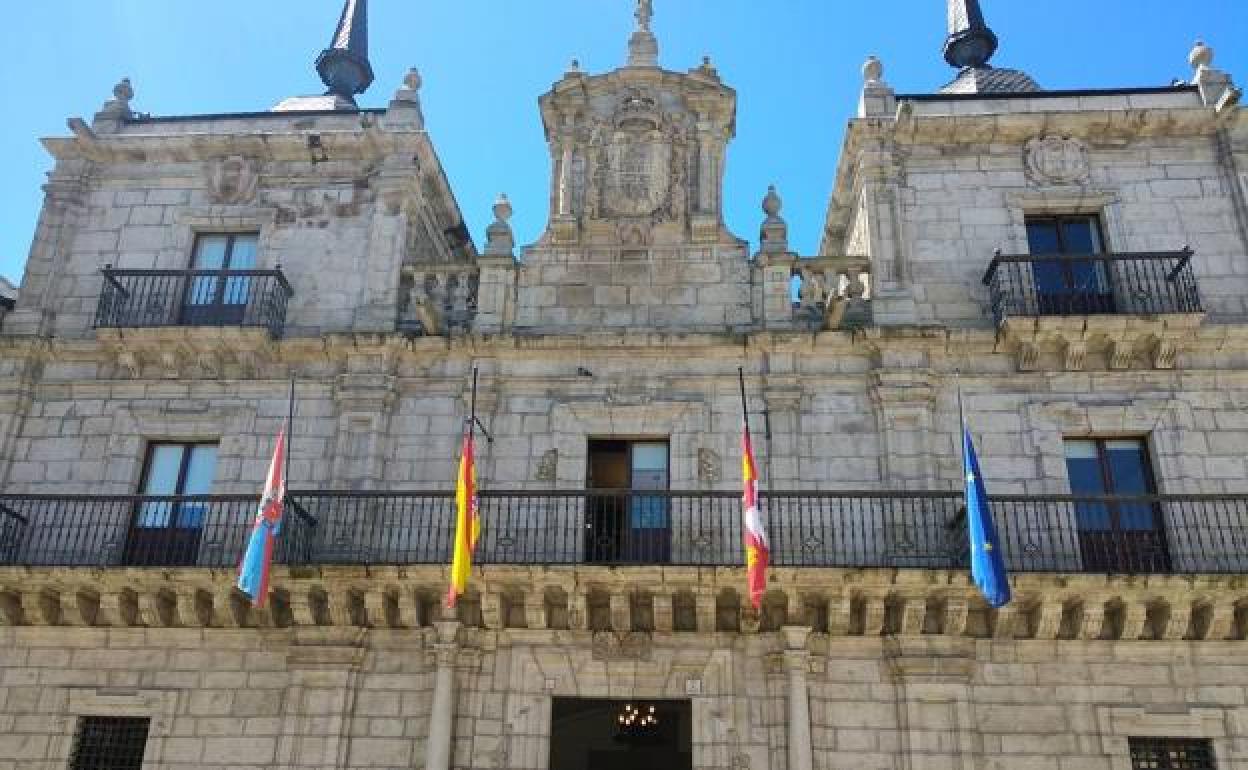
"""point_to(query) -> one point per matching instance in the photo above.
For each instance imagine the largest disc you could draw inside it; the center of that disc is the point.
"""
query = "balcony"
(1129, 306)
(1154, 283)
(1160, 534)
(138, 299)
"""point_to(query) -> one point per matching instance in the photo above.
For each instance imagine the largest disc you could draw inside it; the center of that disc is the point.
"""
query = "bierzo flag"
(253, 570)
(467, 525)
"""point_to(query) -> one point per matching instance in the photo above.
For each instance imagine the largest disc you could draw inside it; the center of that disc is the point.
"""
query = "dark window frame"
(1154, 753)
(110, 743)
(183, 468)
(224, 286)
(1072, 296)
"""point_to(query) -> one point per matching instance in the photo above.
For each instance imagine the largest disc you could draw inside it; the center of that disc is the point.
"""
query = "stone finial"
(878, 98)
(706, 69)
(772, 203)
(774, 234)
(872, 71)
(404, 109)
(115, 110)
(1216, 89)
(574, 69)
(1201, 56)
(500, 241)
(643, 46)
(123, 92)
(412, 80)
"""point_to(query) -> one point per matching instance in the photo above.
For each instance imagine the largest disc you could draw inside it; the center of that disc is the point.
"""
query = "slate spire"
(970, 43)
(344, 66)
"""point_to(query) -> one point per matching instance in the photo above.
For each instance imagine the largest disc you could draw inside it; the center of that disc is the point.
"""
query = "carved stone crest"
(708, 466)
(611, 646)
(637, 175)
(232, 180)
(548, 466)
(1057, 160)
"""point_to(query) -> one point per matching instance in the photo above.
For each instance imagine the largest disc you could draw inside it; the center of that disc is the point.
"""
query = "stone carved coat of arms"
(636, 163)
(1057, 160)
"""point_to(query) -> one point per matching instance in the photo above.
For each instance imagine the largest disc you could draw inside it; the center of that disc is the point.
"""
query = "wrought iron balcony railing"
(1152, 534)
(151, 298)
(1102, 284)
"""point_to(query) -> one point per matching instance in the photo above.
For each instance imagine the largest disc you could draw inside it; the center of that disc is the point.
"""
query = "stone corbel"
(662, 612)
(1165, 354)
(1028, 356)
(621, 612)
(1074, 352)
(873, 616)
(1121, 353)
(1049, 619)
(957, 612)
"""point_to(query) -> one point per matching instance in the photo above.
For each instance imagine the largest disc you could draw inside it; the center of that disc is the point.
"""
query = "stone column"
(442, 717)
(797, 664)
(565, 178)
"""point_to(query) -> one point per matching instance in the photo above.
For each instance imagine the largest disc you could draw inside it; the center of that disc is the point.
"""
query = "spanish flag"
(467, 525)
(757, 550)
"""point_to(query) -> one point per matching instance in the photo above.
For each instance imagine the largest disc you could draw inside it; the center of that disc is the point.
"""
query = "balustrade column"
(442, 715)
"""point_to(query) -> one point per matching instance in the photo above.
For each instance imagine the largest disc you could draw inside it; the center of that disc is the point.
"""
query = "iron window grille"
(109, 743)
(1171, 754)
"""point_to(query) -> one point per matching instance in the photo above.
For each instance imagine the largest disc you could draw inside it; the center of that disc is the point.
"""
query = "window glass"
(177, 469)
(200, 469)
(1042, 237)
(210, 251)
(243, 255)
(649, 472)
(164, 465)
(1080, 236)
(1128, 468)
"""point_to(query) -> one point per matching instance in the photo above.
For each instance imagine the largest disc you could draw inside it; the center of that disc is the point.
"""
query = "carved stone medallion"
(1057, 160)
(232, 180)
(612, 646)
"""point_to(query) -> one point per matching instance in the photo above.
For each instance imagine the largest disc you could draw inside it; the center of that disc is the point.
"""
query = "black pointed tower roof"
(969, 47)
(344, 66)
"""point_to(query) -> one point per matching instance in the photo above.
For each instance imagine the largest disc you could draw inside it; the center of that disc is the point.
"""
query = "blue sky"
(794, 63)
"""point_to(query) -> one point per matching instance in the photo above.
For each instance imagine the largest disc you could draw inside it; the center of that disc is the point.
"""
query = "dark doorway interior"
(624, 524)
(621, 735)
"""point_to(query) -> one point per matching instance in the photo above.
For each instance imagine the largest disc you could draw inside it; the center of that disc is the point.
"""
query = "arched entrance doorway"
(621, 735)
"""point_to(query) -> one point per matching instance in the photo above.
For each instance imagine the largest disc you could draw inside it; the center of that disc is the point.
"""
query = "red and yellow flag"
(467, 525)
(757, 550)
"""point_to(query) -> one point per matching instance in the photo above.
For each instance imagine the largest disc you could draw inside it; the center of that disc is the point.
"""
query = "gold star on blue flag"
(987, 565)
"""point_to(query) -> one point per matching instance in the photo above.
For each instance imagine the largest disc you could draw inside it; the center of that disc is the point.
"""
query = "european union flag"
(987, 564)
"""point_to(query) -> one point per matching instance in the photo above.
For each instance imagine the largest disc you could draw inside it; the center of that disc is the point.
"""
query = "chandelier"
(636, 721)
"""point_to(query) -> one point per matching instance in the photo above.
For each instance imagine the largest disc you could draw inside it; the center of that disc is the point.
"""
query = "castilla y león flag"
(757, 550)
(467, 525)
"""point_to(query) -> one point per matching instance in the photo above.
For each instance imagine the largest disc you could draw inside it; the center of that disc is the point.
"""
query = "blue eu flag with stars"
(987, 562)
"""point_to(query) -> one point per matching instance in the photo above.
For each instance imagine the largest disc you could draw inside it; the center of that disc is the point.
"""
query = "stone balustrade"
(437, 300)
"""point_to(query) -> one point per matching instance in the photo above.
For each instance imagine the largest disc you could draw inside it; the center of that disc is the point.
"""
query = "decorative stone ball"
(123, 91)
(502, 208)
(772, 202)
(1201, 55)
(872, 70)
(412, 80)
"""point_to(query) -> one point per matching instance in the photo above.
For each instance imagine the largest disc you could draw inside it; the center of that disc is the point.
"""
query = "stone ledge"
(839, 602)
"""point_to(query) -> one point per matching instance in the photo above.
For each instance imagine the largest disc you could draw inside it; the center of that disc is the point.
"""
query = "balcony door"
(220, 299)
(1069, 286)
(164, 531)
(623, 524)
(1116, 536)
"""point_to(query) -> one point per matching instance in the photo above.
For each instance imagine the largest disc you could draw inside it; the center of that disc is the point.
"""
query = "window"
(1066, 286)
(623, 525)
(166, 531)
(220, 299)
(109, 743)
(1171, 754)
(1123, 535)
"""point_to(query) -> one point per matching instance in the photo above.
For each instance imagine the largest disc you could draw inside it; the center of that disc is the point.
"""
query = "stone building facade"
(1069, 265)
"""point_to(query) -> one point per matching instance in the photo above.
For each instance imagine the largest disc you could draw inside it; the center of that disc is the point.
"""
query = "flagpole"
(472, 405)
(957, 378)
(745, 413)
(290, 429)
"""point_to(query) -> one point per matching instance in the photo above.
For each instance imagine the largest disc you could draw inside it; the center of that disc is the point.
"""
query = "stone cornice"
(894, 603)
